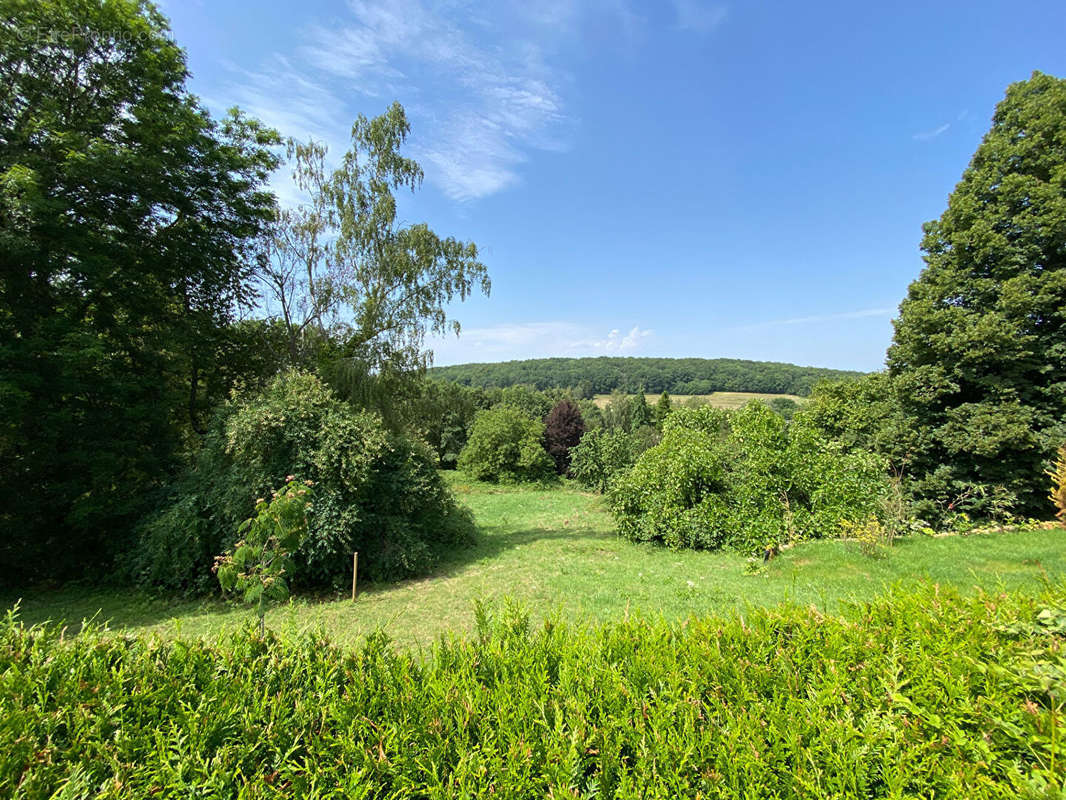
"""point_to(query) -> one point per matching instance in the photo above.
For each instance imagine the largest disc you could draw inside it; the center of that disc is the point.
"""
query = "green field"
(716, 399)
(554, 550)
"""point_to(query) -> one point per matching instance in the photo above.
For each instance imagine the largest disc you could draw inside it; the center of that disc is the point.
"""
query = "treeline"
(605, 374)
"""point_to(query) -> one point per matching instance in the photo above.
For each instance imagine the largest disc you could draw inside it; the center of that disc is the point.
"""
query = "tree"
(441, 413)
(640, 412)
(563, 428)
(259, 563)
(602, 455)
(979, 353)
(342, 266)
(618, 412)
(662, 410)
(505, 445)
(126, 218)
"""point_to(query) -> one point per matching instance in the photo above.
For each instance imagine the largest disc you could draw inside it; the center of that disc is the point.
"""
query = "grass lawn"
(716, 399)
(554, 550)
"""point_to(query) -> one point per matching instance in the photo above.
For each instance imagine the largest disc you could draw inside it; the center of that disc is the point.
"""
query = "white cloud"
(616, 343)
(924, 136)
(699, 16)
(534, 340)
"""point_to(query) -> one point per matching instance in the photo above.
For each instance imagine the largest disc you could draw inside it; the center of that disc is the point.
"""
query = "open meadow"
(554, 550)
(715, 399)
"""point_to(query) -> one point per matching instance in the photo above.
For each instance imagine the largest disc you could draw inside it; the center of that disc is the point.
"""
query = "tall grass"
(919, 694)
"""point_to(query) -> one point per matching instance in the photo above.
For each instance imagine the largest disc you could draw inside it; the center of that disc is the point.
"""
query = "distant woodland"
(605, 374)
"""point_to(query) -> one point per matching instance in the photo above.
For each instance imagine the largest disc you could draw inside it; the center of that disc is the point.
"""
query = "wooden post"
(355, 572)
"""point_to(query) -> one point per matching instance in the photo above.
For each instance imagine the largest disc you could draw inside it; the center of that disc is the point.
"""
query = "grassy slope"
(717, 399)
(554, 549)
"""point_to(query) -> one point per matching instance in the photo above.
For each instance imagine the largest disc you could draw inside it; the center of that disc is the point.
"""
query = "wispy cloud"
(485, 85)
(924, 136)
(699, 16)
(535, 340)
(815, 318)
(478, 87)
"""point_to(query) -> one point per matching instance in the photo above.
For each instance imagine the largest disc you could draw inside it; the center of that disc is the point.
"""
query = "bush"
(924, 694)
(603, 454)
(784, 406)
(505, 445)
(744, 479)
(563, 428)
(376, 492)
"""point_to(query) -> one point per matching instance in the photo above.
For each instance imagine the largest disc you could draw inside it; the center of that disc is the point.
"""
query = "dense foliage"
(506, 444)
(979, 354)
(441, 413)
(917, 695)
(376, 492)
(563, 428)
(604, 374)
(605, 453)
(744, 479)
(125, 217)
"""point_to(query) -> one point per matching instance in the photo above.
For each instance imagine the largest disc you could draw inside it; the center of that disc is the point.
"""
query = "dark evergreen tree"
(979, 354)
(662, 409)
(640, 412)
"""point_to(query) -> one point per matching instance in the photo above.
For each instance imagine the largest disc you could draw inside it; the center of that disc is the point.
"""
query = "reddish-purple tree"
(562, 431)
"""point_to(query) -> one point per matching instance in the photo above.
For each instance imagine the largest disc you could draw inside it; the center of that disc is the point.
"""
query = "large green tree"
(126, 214)
(979, 354)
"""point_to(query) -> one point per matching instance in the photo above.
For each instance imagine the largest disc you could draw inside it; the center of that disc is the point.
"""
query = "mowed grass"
(716, 399)
(555, 550)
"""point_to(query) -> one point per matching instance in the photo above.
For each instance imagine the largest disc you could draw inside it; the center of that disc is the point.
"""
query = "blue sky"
(679, 178)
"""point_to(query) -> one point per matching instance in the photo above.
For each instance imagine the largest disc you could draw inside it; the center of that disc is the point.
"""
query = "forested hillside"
(604, 374)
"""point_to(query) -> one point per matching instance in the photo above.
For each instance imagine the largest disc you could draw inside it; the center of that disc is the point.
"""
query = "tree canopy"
(979, 353)
(341, 266)
(604, 374)
(126, 217)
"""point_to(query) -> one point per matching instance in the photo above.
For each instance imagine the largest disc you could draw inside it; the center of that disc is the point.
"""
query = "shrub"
(505, 445)
(376, 492)
(745, 480)
(784, 406)
(563, 428)
(925, 694)
(603, 454)
(258, 564)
